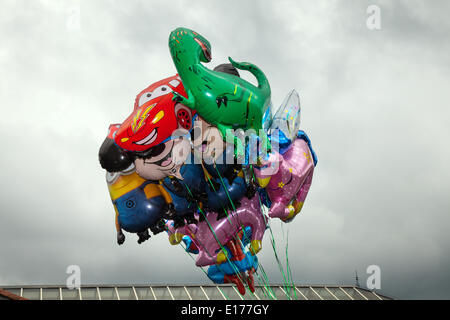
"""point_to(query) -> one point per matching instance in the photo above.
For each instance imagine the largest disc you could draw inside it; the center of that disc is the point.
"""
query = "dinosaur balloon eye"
(205, 49)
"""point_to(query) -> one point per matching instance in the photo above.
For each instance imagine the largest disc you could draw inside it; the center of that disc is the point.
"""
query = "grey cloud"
(373, 102)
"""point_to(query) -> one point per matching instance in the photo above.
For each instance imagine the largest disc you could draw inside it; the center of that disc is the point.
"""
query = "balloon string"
(265, 281)
(232, 203)
(237, 271)
(190, 255)
(193, 259)
(287, 283)
(226, 211)
(273, 243)
(291, 285)
(280, 266)
(218, 242)
(203, 270)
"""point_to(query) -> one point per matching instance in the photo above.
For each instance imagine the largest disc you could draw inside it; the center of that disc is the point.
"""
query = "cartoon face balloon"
(165, 159)
(208, 143)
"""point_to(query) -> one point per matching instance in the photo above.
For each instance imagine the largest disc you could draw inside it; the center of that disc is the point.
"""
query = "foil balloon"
(187, 191)
(190, 245)
(287, 179)
(139, 204)
(155, 117)
(226, 185)
(240, 265)
(112, 158)
(222, 99)
(211, 234)
(284, 126)
(235, 271)
(226, 195)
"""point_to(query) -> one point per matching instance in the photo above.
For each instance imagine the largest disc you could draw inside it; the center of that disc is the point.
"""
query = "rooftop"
(6, 295)
(191, 292)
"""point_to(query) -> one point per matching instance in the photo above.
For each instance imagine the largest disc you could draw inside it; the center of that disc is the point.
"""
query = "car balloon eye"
(146, 96)
(160, 91)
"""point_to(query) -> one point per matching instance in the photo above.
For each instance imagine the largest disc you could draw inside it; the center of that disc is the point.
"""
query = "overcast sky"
(374, 102)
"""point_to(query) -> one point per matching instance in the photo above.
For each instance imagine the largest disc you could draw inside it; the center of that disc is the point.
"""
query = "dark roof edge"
(10, 296)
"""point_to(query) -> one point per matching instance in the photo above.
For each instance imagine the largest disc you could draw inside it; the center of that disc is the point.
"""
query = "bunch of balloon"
(177, 165)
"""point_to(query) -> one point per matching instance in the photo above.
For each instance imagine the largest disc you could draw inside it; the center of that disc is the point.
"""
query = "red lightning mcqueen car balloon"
(154, 118)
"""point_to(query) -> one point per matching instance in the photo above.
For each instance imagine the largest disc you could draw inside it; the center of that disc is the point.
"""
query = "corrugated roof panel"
(125, 293)
(31, 293)
(161, 293)
(67, 294)
(353, 293)
(144, 293)
(107, 293)
(308, 293)
(213, 293)
(196, 293)
(50, 294)
(179, 293)
(89, 294)
(230, 293)
(291, 292)
(265, 293)
(368, 294)
(323, 293)
(339, 293)
(280, 293)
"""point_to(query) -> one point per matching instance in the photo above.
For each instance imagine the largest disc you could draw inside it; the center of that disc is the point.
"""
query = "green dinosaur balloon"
(222, 99)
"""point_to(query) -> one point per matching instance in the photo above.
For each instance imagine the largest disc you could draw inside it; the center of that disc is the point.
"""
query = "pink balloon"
(248, 214)
(290, 177)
